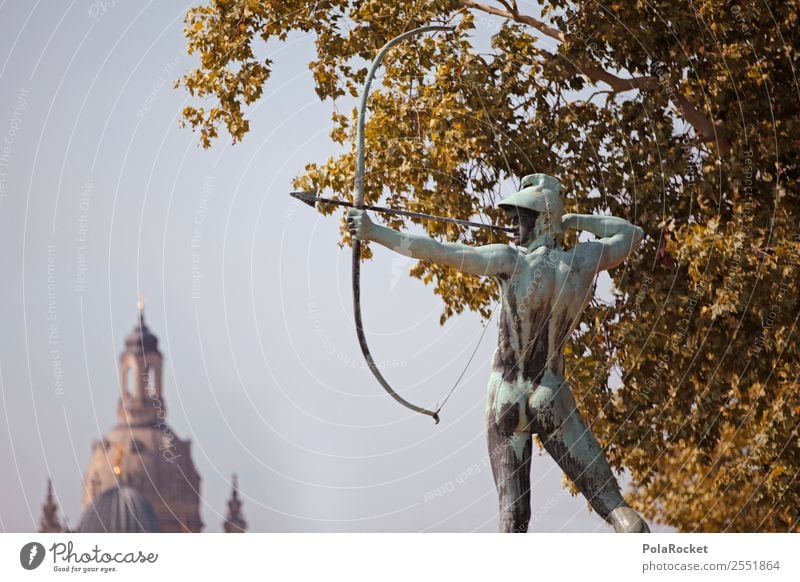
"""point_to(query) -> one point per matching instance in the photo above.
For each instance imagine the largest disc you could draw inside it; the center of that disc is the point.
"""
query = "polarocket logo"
(31, 555)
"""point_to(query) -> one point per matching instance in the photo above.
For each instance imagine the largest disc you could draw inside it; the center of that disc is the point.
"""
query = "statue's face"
(525, 221)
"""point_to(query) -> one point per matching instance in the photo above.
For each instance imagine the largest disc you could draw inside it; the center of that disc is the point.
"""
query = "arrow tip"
(309, 198)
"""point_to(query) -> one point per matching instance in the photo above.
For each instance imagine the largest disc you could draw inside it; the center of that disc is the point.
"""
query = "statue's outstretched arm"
(488, 260)
(618, 239)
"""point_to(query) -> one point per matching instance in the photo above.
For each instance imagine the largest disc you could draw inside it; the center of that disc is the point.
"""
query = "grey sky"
(246, 289)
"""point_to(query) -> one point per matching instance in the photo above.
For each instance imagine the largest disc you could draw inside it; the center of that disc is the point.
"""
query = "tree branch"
(508, 6)
(517, 17)
(707, 129)
(618, 84)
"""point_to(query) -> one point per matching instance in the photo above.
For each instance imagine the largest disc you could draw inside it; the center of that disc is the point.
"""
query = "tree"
(681, 117)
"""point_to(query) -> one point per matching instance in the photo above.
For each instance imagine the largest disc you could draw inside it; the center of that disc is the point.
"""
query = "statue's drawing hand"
(569, 221)
(359, 224)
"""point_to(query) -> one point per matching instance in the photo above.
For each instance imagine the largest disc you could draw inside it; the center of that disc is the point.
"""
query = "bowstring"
(469, 361)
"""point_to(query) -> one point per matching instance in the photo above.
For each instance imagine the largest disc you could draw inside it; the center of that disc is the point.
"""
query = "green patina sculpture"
(545, 289)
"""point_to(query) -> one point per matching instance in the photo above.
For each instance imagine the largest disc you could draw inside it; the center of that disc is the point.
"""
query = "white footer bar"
(401, 557)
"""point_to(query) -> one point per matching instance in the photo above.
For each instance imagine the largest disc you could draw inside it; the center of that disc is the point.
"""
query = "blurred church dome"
(140, 475)
(119, 510)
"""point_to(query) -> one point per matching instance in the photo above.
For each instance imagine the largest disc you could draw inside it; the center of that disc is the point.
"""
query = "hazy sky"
(103, 195)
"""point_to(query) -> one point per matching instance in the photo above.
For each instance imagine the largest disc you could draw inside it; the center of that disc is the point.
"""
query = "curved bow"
(358, 202)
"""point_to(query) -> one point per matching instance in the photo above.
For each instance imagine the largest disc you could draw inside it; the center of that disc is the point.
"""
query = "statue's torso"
(541, 303)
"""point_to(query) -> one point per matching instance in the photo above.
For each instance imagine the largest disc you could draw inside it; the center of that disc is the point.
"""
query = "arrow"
(311, 199)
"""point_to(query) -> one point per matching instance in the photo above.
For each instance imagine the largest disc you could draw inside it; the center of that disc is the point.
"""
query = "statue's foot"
(626, 520)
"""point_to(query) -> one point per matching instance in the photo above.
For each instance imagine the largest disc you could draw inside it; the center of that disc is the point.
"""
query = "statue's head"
(536, 208)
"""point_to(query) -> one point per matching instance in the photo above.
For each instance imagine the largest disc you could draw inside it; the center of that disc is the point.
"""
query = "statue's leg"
(509, 439)
(510, 455)
(572, 445)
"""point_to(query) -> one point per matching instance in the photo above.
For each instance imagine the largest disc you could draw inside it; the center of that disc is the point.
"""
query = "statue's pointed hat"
(540, 193)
